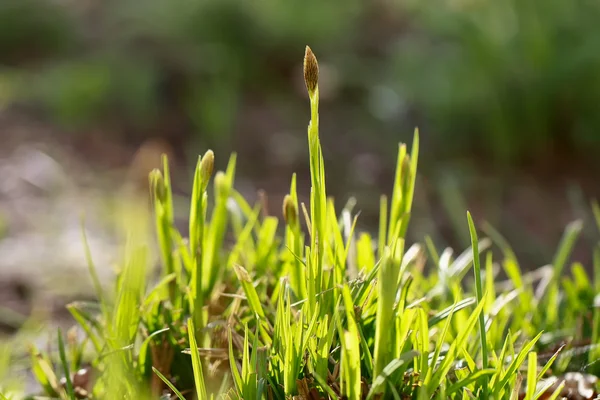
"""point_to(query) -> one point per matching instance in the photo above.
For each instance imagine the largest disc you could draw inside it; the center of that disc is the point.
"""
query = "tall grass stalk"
(480, 298)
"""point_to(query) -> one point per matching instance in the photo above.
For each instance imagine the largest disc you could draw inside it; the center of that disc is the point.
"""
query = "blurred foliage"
(516, 78)
(30, 28)
(194, 58)
(508, 78)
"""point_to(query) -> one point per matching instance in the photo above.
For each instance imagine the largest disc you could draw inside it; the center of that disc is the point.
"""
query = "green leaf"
(515, 363)
(169, 384)
(549, 363)
(144, 348)
(531, 375)
(41, 367)
(480, 297)
(237, 378)
(351, 350)
(557, 392)
(388, 370)
(565, 248)
(87, 323)
(387, 283)
(249, 290)
(457, 344)
(65, 364)
(469, 379)
(447, 312)
(440, 343)
(156, 293)
(196, 363)
(92, 268)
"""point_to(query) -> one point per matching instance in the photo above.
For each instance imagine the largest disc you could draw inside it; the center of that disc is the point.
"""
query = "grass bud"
(311, 72)
(207, 165)
(290, 211)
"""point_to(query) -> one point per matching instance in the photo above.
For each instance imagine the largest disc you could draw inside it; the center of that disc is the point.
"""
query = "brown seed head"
(290, 211)
(311, 71)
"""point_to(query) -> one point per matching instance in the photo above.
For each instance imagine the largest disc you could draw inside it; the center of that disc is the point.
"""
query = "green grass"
(307, 307)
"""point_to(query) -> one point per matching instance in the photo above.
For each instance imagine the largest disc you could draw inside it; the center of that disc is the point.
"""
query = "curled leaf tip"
(157, 184)
(311, 71)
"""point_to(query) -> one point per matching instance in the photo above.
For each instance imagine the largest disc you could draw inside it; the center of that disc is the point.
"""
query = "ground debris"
(578, 386)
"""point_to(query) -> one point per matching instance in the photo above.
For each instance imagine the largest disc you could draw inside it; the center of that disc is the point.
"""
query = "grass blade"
(475, 376)
(169, 384)
(65, 364)
(479, 294)
(531, 376)
(196, 363)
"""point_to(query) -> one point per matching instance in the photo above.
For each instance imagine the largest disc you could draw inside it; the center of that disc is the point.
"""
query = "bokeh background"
(505, 93)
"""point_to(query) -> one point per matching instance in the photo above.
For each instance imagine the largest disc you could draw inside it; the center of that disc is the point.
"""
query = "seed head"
(311, 71)
(207, 166)
(290, 211)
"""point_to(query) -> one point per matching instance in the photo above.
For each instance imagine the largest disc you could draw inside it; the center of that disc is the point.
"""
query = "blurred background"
(505, 94)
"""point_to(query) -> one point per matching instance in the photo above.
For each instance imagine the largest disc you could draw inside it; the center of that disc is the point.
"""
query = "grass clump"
(324, 312)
